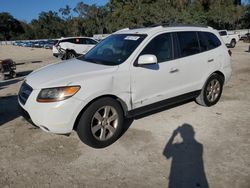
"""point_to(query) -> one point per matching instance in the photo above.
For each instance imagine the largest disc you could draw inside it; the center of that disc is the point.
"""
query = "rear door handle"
(210, 60)
(173, 70)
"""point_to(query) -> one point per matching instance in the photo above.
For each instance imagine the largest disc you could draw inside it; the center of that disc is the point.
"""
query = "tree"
(65, 12)
(118, 14)
(9, 26)
(48, 25)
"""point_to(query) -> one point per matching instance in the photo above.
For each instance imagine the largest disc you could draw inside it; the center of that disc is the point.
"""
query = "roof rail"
(177, 25)
(185, 25)
(124, 29)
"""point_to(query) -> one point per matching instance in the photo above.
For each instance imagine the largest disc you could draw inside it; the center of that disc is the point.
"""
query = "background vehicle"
(127, 74)
(73, 46)
(245, 37)
(50, 43)
(229, 39)
(7, 68)
(28, 44)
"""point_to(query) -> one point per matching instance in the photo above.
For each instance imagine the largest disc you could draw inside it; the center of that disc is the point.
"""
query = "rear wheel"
(233, 43)
(101, 123)
(211, 92)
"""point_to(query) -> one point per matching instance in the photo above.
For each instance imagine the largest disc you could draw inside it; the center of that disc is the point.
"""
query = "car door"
(193, 63)
(76, 45)
(211, 56)
(156, 82)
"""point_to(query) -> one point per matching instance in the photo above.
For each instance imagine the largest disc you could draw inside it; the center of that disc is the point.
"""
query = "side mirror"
(147, 59)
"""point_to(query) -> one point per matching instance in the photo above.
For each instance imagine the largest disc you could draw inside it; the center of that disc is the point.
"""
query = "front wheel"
(70, 55)
(211, 91)
(12, 74)
(101, 123)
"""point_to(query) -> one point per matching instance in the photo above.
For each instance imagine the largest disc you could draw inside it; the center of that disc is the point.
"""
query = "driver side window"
(161, 47)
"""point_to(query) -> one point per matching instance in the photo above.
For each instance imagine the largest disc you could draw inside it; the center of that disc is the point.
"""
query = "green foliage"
(9, 26)
(117, 14)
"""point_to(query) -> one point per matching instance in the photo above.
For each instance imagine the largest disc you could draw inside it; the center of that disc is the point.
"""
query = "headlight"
(57, 94)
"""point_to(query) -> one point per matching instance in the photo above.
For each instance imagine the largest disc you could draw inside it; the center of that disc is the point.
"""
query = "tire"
(70, 55)
(232, 43)
(97, 129)
(211, 91)
(12, 74)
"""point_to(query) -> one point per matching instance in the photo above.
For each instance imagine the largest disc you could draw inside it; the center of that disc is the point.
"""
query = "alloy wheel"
(104, 123)
(213, 90)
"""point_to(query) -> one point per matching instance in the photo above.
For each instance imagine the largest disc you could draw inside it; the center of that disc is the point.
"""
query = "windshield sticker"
(131, 38)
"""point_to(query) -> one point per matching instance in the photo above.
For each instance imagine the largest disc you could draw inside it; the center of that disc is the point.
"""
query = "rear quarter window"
(208, 41)
(213, 40)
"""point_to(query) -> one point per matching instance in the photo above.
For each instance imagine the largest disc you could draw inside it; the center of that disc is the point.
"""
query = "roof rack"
(185, 25)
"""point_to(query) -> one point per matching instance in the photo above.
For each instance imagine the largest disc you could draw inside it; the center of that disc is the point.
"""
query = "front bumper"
(55, 117)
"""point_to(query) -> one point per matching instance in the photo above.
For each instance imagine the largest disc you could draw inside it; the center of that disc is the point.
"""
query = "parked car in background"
(39, 44)
(28, 44)
(73, 47)
(245, 37)
(50, 43)
(229, 39)
(127, 74)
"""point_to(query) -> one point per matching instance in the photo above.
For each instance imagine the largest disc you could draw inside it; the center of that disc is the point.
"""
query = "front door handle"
(173, 70)
(210, 60)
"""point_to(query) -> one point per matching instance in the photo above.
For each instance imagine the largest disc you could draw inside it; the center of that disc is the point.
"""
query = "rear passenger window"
(161, 47)
(188, 43)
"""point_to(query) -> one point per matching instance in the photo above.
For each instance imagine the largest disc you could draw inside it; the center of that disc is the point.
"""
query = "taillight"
(230, 52)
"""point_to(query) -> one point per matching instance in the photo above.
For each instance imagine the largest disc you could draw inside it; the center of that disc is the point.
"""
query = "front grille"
(24, 93)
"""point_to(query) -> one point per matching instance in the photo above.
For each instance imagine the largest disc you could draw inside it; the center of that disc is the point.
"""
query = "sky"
(26, 10)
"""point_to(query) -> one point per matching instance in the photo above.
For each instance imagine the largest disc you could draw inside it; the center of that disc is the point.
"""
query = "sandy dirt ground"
(217, 155)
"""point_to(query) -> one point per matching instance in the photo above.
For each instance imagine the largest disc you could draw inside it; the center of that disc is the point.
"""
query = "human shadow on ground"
(8, 109)
(187, 169)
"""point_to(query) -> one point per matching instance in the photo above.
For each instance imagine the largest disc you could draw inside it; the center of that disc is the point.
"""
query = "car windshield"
(114, 50)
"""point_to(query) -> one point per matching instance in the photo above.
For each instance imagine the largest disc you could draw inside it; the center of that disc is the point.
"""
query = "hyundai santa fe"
(129, 73)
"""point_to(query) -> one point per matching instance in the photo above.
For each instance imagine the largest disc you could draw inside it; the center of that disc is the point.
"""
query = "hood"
(66, 73)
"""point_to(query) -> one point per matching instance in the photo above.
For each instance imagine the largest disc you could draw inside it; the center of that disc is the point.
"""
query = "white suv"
(129, 73)
(68, 48)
